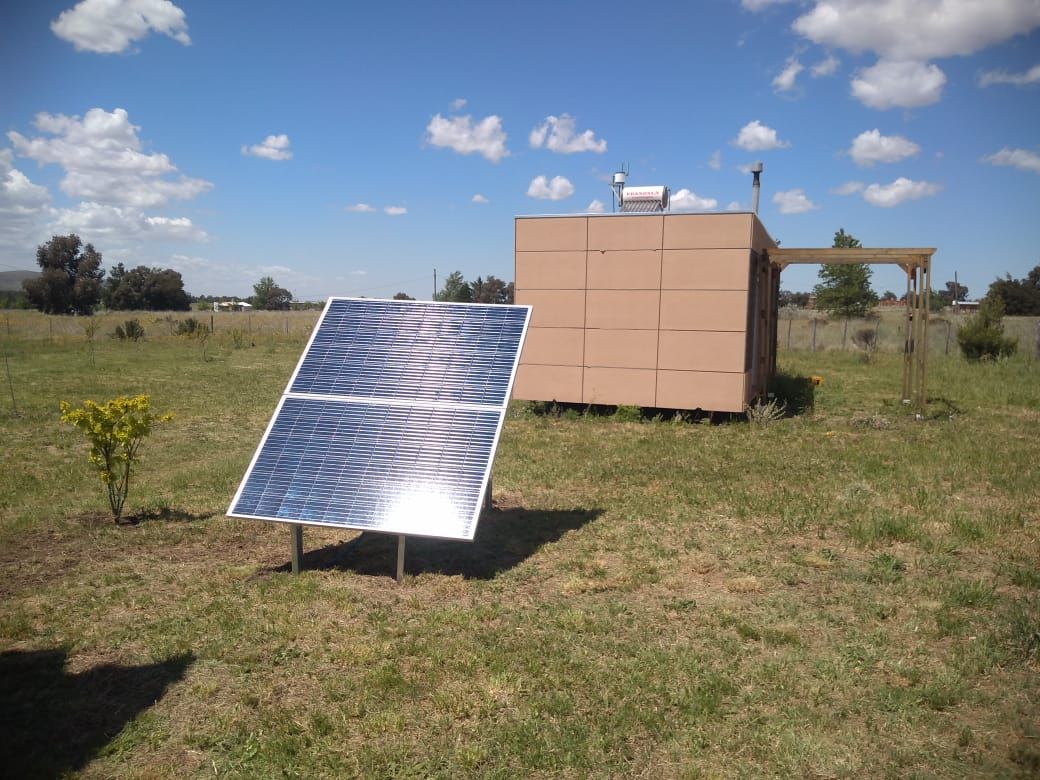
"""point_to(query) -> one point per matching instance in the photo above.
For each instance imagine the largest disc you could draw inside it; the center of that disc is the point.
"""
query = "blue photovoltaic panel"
(413, 351)
(391, 419)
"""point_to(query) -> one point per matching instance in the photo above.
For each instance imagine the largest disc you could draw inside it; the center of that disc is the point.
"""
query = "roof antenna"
(618, 187)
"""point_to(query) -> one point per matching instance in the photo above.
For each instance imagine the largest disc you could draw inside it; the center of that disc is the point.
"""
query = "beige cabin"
(673, 311)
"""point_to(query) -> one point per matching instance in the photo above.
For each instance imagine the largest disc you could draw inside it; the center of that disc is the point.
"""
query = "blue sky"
(353, 148)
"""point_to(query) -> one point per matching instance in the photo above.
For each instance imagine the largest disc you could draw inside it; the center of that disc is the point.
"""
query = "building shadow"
(504, 539)
(53, 723)
(796, 393)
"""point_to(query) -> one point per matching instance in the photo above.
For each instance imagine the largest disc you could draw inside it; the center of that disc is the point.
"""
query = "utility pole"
(434, 285)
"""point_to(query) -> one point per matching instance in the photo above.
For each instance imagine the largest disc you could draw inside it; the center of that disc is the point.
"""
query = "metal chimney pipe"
(756, 171)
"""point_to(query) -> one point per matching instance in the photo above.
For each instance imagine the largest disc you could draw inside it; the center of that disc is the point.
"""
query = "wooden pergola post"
(917, 263)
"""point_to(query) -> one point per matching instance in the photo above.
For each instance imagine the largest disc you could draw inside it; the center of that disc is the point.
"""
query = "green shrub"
(131, 330)
(625, 413)
(982, 336)
(192, 327)
(115, 429)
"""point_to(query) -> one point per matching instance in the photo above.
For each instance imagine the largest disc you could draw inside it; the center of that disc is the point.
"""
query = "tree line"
(72, 281)
(490, 290)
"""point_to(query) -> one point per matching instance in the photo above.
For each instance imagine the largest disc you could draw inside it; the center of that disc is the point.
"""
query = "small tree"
(844, 290)
(115, 429)
(954, 293)
(491, 290)
(982, 336)
(268, 295)
(70, 279)
(455, 289)
(403, 296)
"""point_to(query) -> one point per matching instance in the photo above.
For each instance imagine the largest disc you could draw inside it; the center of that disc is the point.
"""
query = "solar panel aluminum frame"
(500, 409)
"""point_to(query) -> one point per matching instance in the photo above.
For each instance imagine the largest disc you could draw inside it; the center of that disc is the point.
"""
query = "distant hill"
(11, 281)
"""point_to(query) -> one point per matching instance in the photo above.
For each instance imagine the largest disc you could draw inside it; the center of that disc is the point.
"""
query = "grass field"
(848, 592)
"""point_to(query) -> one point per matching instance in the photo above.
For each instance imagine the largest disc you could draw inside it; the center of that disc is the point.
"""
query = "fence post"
(1036, 348)
(10, 384)
(789, 332)
(949, 327)
(813, 334)
(286, 326)
(211, 329)
(845, 334)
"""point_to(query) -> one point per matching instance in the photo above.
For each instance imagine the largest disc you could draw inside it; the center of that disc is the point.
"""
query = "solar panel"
(390, 420)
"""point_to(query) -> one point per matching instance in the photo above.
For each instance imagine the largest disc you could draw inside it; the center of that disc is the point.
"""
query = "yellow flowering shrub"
(115, 430)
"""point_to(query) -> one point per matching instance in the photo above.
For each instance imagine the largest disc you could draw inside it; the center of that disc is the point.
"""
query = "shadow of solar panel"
(390, 421)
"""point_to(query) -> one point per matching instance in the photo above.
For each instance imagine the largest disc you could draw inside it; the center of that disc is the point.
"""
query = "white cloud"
(110, 26)
(793, 202)
(734, 205)
(715, 161)
(544, 189)
(871, 147)
(557, 134)
(825, 67)
(687, 200)
(849, 188)
(917, 30)
(596, 207)
(756, 137)
(359, 208)
(785, 80)
(103, 161)
(395, 211)
(1018, 158)
(458, 104)
(890, 84)
(478, 198)
(274, 147)
(990, 77)
(486, 137)
(97, 222)
(17, 193)
(906, 34)
(23, 205)
(902, 189)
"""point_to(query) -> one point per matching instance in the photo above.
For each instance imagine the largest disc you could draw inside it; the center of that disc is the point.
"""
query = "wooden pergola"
(918, 266)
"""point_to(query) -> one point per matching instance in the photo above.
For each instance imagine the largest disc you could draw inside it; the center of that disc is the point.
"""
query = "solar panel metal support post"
(488, 504)
(296, 546)
(400, 559)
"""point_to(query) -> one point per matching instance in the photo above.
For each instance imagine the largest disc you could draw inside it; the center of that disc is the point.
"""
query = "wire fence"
(799, 330)
(802, 331)
(22, 325)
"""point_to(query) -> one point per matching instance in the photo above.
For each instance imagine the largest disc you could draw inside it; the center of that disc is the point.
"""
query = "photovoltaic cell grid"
(391, 419)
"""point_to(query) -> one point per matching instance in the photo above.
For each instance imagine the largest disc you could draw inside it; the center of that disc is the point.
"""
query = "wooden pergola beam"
(808, 256)
(917, 263)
